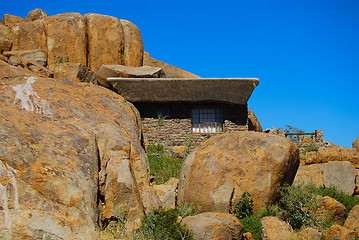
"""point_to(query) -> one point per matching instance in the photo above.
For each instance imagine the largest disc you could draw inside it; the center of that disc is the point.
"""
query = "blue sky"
(305, 53)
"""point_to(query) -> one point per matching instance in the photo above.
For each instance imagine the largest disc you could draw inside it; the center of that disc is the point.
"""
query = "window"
(207, 120)
(162, 113)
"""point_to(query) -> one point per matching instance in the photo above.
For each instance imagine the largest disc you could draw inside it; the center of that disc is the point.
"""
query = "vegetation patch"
(163, 166)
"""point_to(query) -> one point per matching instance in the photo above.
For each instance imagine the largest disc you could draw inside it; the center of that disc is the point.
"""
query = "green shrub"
(253, 224)
(310, 148)
(299, 204)
(348, 201)
(163, 166)
(244, 207)
(186, 210)
(163, 225)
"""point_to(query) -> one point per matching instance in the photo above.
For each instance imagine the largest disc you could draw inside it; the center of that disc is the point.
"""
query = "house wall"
(176, 129)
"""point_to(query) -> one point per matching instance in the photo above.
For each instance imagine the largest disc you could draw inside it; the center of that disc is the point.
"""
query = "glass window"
(207, 120)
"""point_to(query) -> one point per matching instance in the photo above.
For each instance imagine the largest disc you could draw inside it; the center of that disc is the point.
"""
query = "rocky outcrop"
(105, 41)
(334, 209)
(337, 232)
(121, 71)
(75, 72)
(273, 229)
(331, 154)
(352, 221)
(309, 234)
(133, 45)
(167, 193)
(66, 39)
(70, 157)
(216, 174)
(26, 57)
(253, 123)
(356, 145)
(36, 14)
(210, 225)
(170, 71)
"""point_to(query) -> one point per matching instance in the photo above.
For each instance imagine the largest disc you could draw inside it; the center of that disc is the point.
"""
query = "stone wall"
(176, 129)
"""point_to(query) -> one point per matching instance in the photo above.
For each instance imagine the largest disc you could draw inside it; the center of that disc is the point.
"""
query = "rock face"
(25, 57)
(133, 45)
(309, 234)
(70, 157)
(105, 40)
(335, 210)
(273, 229)
(217, 173)
(65, 37)
(340, 174)
(25, 34)
(170, 71)
(253, 123)
(210, 225)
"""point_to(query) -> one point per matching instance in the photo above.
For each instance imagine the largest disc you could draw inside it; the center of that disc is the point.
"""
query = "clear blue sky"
(305, 52)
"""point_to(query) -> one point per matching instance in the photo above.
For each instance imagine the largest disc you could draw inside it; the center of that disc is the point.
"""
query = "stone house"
(177, 110)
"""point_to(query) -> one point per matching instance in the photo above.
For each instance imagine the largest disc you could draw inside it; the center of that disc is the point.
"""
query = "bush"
(244, 207)
(163, 225)
(348, 201)
(186, 210)
(299, 204)
(310, 148)
(162, 165)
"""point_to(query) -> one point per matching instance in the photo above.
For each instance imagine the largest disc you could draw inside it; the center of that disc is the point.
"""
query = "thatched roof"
(231, 90)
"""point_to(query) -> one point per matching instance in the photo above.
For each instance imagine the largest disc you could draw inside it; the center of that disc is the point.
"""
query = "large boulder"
(333, 209)
(253, 123)
(66, 38)
(211, 225)
(342, 175)
(25, 34)
(133, 45)
(26, 57)
(170, 71)
(70, 157)
(105, 40)
(36, 14)
(216, 174)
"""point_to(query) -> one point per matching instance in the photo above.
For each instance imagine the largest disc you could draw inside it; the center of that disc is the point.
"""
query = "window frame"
(207, 120)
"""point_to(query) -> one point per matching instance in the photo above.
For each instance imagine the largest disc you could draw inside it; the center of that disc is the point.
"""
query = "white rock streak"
(7, 194)
(29, 100)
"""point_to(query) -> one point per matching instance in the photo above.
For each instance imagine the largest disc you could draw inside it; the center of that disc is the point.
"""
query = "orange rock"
(337, 232)
(247, 236)
(352, 222)
(335, 210)
(75, 72)
(27, 35)
(133, 45)
(309, 234)
(356, 145)
(253, 123)
(211, 225)
(216, 174)
(170, 71)
(36, 14)
(310, 174)
(274, 229)
(68, 152)
(11, 19)
(66, 40)
(105, 41)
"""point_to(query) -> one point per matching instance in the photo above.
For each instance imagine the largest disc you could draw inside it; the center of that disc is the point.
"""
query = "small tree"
(244, 207)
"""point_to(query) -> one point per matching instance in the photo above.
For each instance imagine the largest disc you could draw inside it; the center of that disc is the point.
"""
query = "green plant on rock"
(310, 148)
(348, 201)
(60, 59)
(244, 207)
(163, 224)
(188, 142)
(186, 210)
